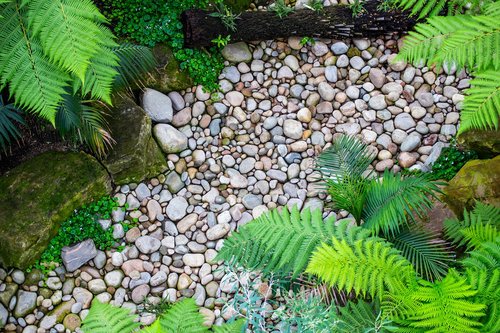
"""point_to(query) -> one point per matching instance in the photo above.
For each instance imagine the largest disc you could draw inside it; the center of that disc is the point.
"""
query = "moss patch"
(38, 195)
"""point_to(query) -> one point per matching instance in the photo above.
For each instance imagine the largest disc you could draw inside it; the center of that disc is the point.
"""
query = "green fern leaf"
(424, 8)
(362, 317)
(105, 318)
(429, 255)
(478, 234)
(283, 242)
(154, 328)
(234, 327)
(70, 32)
(183, 316)
(482, 102)
(394, 200)
(367, 266)
(33, 80)
(493, 9)
(445, 306)
(10, 117)
(134, 61)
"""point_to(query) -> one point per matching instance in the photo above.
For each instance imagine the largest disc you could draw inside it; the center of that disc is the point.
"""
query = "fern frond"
(234, 327)
(423, 8)
(70, 32)
(445, 306)
(481, 215)
(346, 157)
(394, 200)
(183, 316)
(483, 274)
(482, 102)
(105, 318)
(35, 82)
(153, 328)
(283, 242)
(365, 267)
(348, 194)
(429, 255)
(361, 317)
(133, 62)
(10, 117)
(465, 40)
(478, 234)
(100, 76)
(493, 9)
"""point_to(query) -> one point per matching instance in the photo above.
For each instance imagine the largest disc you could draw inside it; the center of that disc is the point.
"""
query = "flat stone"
(218, 231)
(193, 259)
(285, 73)
(78, 255)
(339, 48)
(26, 303)
(176, 208)
(293, 129)
(139, 293)
(157, 106)
(147, 244)
(114, 278)
(404, 121)
(377, 77)
(377, 102)
(235, 98)
(237, 52)
(170, 139)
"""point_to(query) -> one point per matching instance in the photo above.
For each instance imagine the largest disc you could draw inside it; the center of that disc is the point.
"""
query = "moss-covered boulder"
(167, 76)
(477, 180)
(485, 143)
(36, 196)
(135, 156)
(238, 5)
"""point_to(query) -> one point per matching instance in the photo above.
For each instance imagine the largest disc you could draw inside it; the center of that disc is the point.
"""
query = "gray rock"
(319, 49)
(158, 279)
(78, 255)
(176, 208)
(377, 77)
(231, 73)
(157, 105)
(285, 73)
(18, 276)
(237, 52)
(142, 191)
(218, 231)
(425, 99)
(250, 201)
(170, 139)
(326, 91)
(4, 315)
(339, 48)
(293, 129)
(331, 73)
(194, 259)
(114, 278)
(377, 102)
(26, 303)
(174, 182)
(342, 61)
(404, 121)
(410, 143)
(147, 244)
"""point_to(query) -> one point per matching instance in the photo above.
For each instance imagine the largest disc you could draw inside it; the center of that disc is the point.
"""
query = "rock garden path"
(235, 155)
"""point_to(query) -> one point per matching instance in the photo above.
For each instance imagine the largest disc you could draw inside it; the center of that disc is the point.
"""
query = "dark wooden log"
(332, 22)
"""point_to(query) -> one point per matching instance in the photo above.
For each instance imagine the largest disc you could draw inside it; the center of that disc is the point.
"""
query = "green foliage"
(133, 62)
(425, 8)
(480, 221)
(183, 316)
(362, 317)
(463, 40)
(10, 118)
(445, 306)
(156, 21)
(283, 242)
(105, 318)
(367, 266)
(221, 41)
(357, 8)
(226, 15)
(307, 40)
(82, 225)
(383, 204)
(281, 9)
(429, 255)
(315, 5)
(451, 160)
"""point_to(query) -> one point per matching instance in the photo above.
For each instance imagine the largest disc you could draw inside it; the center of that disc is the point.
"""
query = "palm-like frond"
(69, 30)
(183, 316)
(366, 267)
(348, 194)
(133, 62)
(84, 124)
(445, 306)
(10, 117)
(35, 82)
(429, 255)
(347, 157)
(105, 318)
(283, 242)
(361, 317)
(394, 200)
(482, 102)
(465, 40)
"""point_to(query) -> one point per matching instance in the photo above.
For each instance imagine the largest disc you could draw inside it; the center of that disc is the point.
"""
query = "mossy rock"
(36, 196)
(477, 180)
(135, 156)
(485, 143)
(238, 5)
(167, 76)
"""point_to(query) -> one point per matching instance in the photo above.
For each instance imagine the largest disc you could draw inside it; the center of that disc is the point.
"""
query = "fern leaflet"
(105, 318)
